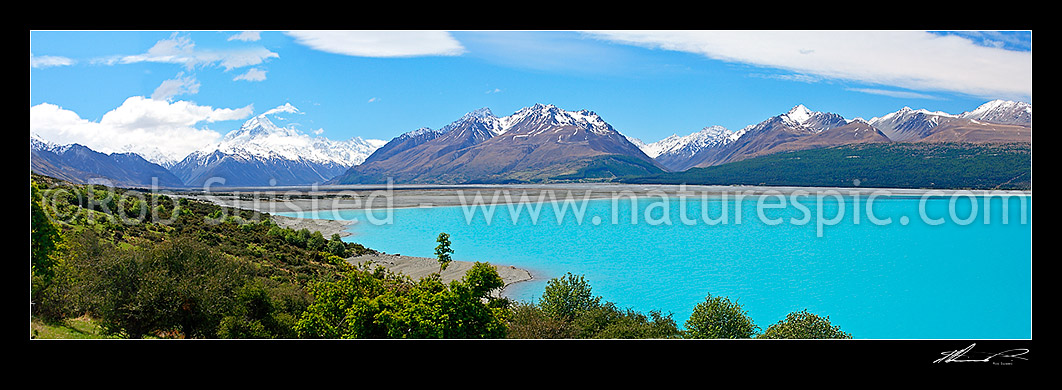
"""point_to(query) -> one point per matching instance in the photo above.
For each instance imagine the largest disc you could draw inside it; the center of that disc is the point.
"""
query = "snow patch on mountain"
(259, 137)
(689, 145)
(1002, 111)
(797, 115)
(545, 116)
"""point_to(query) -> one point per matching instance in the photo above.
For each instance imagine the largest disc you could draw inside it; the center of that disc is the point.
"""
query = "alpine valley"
(544, 143)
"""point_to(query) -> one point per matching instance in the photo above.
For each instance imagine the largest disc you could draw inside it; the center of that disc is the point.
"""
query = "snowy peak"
(706, 137)
(37, 143)
(261, 153)
(538, 142)
(655, 149)
(482, 118)
(803, 119)
(261, 138)
(542, 116)
(1002, 111)
(539, 116)
(150, 153)
(421, 132)
(257, 127)
(907, 124)
(674, 152)
(798, 115)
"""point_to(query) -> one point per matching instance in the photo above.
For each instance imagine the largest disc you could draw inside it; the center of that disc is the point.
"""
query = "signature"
(966, 356)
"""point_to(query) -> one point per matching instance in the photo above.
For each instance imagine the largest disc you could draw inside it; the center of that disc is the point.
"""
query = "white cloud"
(287, 107)
(802, 78)
(897, 94)
(181, 50)
(49, 61)
(253, 74)
(174, 87)
(171, 128)
(247, 36)
(361, 43)
(907, 59)
(240, 58)
(373, 100)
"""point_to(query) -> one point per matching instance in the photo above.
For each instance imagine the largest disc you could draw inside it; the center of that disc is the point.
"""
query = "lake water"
(881, 267)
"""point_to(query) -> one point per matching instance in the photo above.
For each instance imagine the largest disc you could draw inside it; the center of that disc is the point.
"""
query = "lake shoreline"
(412, 266)
(303, 208)
(315, 199)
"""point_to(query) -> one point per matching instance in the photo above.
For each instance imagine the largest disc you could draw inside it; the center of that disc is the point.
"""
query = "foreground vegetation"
(118, 263)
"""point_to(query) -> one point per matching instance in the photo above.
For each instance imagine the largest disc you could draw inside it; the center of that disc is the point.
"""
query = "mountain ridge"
(537, 143)
(534, 143)
(80, 164)
(997, 121)
(262, 153)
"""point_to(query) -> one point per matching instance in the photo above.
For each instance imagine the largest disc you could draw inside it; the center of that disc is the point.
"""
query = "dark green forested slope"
(895, 165)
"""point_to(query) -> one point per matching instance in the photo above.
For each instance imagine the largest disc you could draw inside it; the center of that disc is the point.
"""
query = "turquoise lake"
(888, 267)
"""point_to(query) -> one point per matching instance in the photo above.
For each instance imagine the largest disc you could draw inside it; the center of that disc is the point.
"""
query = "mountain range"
(540, 143)
(997, 121)
(80, 164)
(261, 153)
(536, 143)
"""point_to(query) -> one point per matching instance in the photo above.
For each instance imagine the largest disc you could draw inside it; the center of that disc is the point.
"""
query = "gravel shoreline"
(414, 267)
(419, 267)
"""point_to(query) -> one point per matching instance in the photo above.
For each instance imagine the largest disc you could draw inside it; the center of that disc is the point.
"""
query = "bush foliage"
(152, 265)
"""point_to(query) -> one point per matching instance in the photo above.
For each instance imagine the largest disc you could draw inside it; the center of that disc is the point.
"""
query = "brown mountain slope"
(965, 130)
(535, 143)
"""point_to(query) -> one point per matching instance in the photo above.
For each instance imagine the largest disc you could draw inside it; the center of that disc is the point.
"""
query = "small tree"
(336, 246)
(443, 251)
(316, 241)
(483, 279)
(804, 325)
(719, 318)
(566, 296)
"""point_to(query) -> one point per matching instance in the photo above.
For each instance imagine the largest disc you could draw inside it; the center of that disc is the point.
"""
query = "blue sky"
(177, 90)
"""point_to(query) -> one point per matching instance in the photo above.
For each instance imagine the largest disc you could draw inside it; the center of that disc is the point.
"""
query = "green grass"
(73, 328)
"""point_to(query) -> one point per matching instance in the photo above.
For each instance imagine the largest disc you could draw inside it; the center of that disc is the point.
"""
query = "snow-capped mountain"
(994, 121)
(908, 124)
(675, 151)
(259, 137)
(261, 153)
(801, 118)
(1002, 111)
(151, 153)
(798, 128)
(79, 164)
(544, 117)
(534, 143)
(997, 121)
(37, 143)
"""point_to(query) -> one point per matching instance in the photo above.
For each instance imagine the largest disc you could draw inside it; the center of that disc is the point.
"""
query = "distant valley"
(544, 143)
